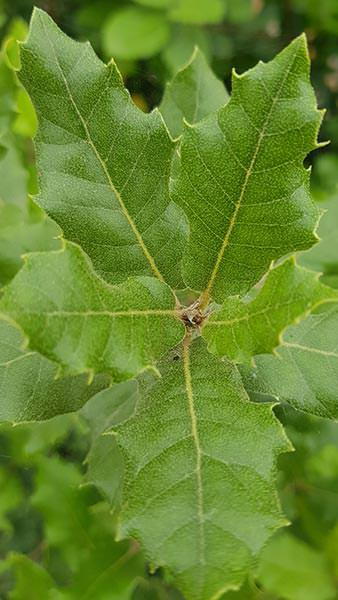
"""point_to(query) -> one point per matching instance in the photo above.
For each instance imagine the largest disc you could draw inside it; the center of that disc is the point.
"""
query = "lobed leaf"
(30, 390)
(199, 473)
(73, 317)
(305, 371)
(193, 93)
(242, 181)
(104, 164)
(243, 328)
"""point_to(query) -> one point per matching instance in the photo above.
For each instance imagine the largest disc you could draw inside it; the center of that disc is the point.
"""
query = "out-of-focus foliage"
(24, 227)
(56, 536)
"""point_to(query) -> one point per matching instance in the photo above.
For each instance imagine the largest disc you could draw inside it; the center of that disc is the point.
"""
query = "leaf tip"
(90, 376)
(322, 144)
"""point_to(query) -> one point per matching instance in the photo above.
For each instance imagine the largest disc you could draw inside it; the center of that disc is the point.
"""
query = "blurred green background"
(56, 534)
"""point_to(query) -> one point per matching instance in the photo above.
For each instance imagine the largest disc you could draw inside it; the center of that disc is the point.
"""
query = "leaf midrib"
(198, 450)
(207, 292)
(124, 209)
(107, 313)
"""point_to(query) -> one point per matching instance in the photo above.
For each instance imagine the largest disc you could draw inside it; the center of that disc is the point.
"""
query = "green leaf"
(197, 11)
(155, 589)
(135, 32)
(84, 535)
(12, 494)
(305, 371)
(13, 174)
(30, 390)
(25, 123)
(323, 256)
(22, 230)
(110, 406)
(194, 93)
(240, 12)
(75, 318)
(243, 184)
(242, 328)
(294, 571)
(248, 591)
(102, 412)
(199, 494)
(155, 3)
(32, 581)
(104, 163)
(8, 88)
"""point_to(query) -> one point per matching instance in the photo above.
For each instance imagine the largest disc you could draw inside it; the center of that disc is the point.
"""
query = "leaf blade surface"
(104, 165)
(75, 318)
(242, 328)
(30, 389)
(189, 492)
(193, 93)
(304, 372)
(242, 181)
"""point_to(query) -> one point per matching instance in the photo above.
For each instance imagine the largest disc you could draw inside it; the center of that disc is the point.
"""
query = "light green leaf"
(8, 88)
(104, 163)
(243, 328)
(323, 256)
(25, 123)
(13, 174)
(248, 591)
(199, 494)
(75, 318)
(135, 32)
(30, 390)
(305, 371)
(155, 3)
(292, 570)
(22, 230)
(32, 580)
(17, 31)
(197, 11)
(243, 184)
(194, 93)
